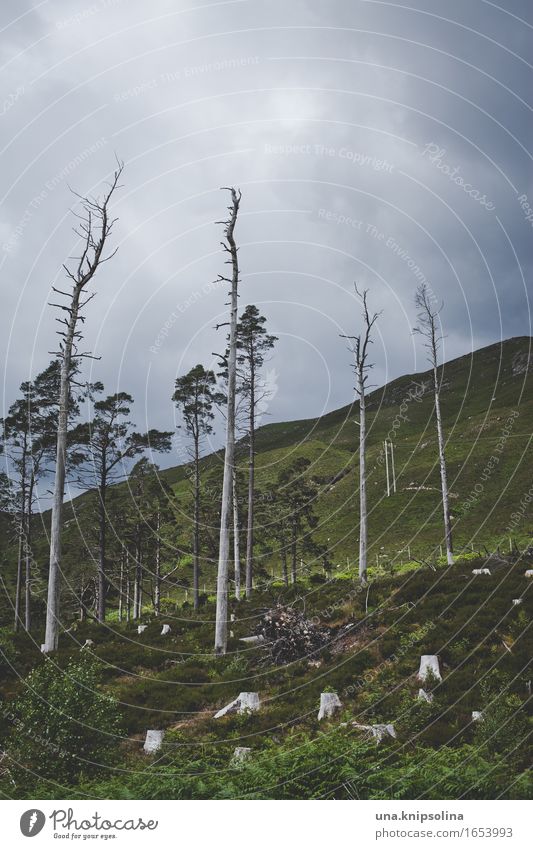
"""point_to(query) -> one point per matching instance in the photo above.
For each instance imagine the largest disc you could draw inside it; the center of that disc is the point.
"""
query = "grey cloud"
(321, 113)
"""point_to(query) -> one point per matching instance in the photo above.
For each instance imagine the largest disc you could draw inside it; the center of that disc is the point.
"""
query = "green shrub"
(62, 724)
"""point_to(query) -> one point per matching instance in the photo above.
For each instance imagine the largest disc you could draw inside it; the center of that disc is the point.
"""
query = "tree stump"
(154, 741)
(165, 630)
(245, 702)
(141, 628)
(429, 663)
(425, 697)
(528, 573)
(241, 753)
(329, 704)
(477, 716)
(378, 731)
(87, 645)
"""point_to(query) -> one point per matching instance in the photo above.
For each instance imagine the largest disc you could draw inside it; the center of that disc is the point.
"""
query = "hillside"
(92, 708)
(487, 405)
(370, 658)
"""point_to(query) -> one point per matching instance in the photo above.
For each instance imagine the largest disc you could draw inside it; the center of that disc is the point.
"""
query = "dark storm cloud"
(348, 126)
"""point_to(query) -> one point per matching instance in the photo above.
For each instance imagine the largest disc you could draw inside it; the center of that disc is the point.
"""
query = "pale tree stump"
(241, 753)
(528, 573)
(141, 628)
(153, 742)
(517, 601)
(165, 630)
(87, 645)
(429, 663)
(329, 704)
(477, 716)
(245, 702)
(378, 731)
(425, 697)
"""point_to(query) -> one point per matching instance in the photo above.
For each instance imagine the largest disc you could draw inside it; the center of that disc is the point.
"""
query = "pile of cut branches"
(289, 635)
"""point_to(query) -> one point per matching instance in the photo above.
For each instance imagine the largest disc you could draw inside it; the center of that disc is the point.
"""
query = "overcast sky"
(373, 141)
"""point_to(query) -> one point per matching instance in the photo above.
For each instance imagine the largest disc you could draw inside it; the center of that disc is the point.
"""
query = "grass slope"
(371, 660)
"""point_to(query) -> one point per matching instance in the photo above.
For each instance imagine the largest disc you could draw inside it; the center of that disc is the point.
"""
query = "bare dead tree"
(93, 230)
(230, 247)
(359, 348)
(429, 328)
(236, 538)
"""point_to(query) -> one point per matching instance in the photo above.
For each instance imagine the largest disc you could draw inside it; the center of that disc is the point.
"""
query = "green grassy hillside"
(374, 640)
(487, 405)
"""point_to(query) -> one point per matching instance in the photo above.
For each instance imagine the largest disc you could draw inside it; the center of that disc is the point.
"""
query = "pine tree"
(112, 442)
(253, 343)
(195, 395)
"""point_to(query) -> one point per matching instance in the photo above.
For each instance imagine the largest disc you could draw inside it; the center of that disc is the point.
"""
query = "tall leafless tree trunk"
(157, 570)
(251, 484)
(196, 529)
(236, 539)
(94, 231)
(28, 557)
(18, 586)
(221, 621)
(128, 588)
(427, 327)
(359, 349)
(121, 588)
(138, 578)
(21, 533)
(363, 514)
(102, 567)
